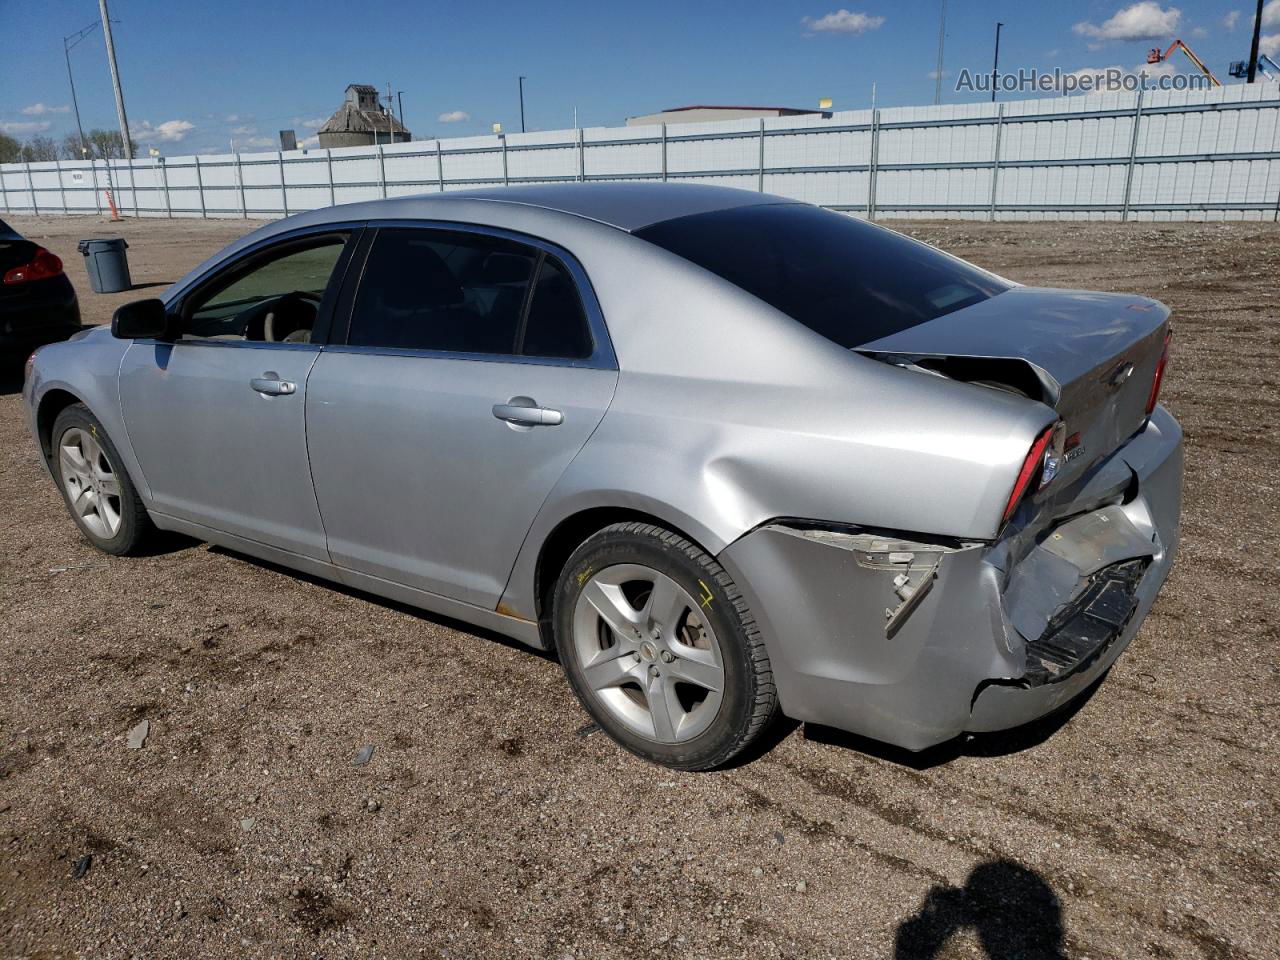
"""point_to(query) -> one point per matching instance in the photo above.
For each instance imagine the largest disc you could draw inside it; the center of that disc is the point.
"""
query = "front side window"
(460, 292)
(850, 281)
(275, 297)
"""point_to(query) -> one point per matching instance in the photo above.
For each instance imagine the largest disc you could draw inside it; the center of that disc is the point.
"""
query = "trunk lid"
(1090, 356)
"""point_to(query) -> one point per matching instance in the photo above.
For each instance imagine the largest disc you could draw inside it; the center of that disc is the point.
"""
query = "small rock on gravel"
(138, 735)
(363, 756)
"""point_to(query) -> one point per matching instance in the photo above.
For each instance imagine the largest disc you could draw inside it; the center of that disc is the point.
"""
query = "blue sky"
(198, 74)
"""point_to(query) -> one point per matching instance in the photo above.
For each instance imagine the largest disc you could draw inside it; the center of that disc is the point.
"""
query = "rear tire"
(101, 498)
(660, 648)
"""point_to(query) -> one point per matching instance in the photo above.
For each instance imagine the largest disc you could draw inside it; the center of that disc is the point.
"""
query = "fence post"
(244, 207)
(995, 163)
(133, 188)
(164, 176)
(664, 153)
(97, 193)
(582, 157)
(284, 187)
(502, 142)
(328, 166)
(62, 194)
(760, 181)
(4, 191)
(200, 188)
(1133, 154)
(382, 171)
(871, 166)
(35, 207)
(440, 166)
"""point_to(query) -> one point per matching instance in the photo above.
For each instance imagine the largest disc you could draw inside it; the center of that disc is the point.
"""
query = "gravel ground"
(490, 823)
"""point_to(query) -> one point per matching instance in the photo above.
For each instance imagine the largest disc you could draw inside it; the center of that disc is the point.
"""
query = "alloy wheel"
(648, 653)
(90, 480)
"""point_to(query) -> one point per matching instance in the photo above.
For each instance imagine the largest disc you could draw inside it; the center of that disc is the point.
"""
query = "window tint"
(557, 324)
(276, 298)
(436, 290)
(848, 280)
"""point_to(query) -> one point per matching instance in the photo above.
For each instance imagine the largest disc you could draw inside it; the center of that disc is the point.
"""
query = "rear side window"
(557, 324)
(458, 292)
(848, 280)
(438, 290)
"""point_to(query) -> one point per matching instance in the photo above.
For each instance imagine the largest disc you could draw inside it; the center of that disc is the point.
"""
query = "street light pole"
(995, 66)
(522, 79)
(125, 144)
(942, 39)
(400, 101)
(1253, 50)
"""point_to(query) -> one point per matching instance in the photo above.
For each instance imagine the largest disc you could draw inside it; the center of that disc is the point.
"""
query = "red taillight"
(43, 265)
(1158, 379)
(1030, 467)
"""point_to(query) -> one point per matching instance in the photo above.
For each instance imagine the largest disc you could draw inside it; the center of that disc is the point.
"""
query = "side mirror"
(140, 320)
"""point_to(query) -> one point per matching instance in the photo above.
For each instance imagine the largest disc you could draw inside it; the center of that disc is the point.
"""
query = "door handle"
(524, 412)
(270, 385)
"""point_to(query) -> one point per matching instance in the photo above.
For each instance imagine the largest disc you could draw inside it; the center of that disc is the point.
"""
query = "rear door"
(216, 416)
(475, 366)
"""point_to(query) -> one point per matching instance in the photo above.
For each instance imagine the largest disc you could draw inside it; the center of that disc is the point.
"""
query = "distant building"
(361, 121)
(701, 114)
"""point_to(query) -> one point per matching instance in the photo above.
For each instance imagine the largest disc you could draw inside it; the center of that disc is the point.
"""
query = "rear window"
(848, 280)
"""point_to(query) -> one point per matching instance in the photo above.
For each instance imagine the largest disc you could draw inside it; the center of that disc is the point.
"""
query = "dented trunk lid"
(1091, 356)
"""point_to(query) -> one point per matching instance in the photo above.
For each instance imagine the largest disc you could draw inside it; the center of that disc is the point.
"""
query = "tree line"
(98, 145)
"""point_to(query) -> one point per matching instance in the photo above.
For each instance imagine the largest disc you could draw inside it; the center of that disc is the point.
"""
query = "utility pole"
(400, 101)
(1253, 50)
(126, 145)
(69, 41)
(942, 37)
(995, 66)
(522, 79)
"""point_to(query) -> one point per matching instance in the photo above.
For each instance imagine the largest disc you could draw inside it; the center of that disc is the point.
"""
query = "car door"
(216, 415)
(475, 366)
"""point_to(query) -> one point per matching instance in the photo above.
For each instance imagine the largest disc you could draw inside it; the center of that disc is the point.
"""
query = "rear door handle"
(524, 412)
(270, 384)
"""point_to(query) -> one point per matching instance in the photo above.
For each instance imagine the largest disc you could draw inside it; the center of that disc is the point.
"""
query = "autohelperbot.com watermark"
(1102, 80)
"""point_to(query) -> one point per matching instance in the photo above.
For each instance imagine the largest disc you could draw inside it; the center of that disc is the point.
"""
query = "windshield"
(846, 279)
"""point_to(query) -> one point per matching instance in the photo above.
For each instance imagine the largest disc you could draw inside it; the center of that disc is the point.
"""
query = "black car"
(38, 305)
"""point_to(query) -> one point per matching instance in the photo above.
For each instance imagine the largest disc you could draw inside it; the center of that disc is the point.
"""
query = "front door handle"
(270, 385)
(524, 412)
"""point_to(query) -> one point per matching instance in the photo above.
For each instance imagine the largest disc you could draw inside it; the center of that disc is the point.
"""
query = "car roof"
(626, 206)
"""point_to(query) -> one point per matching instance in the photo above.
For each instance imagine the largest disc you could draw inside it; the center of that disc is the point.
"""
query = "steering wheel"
(290, 317)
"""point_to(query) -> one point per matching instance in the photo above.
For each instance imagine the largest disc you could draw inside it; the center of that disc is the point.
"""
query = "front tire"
(100, 496)
(660, 648)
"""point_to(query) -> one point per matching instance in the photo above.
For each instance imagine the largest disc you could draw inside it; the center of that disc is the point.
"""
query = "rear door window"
(426, 289)
(556, 325)
(850, 281)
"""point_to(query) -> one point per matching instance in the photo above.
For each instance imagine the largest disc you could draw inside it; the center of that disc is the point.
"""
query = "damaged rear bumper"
(914, 642)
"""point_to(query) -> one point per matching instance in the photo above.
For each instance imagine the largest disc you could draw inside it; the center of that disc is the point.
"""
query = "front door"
(216, 417)
(473, 373)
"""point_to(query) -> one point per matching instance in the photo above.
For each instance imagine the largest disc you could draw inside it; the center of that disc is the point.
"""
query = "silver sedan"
(728, 455)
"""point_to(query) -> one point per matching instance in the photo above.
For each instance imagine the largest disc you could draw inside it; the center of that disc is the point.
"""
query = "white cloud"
(260, 143)
(308, 142)
(454, 116)
(243, 131)
(1052, 54)
(29, 126)
(171, 131)
(1141, 21)
(1270, 44)
(1271, 14)
(843, 21)
(1162, 69)
(308, 124)
(1230, 20)
(1199, 33)
(40, 109)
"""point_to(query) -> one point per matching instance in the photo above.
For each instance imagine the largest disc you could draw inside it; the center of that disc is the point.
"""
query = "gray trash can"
(107, 263)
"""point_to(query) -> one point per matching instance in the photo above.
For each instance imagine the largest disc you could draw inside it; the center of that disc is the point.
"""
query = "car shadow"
(1011, 909)
(417, 612)
(1000, 744)
(151, 283)
(11, 376)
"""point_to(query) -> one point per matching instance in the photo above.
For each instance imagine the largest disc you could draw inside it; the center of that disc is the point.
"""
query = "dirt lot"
(490, 824)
